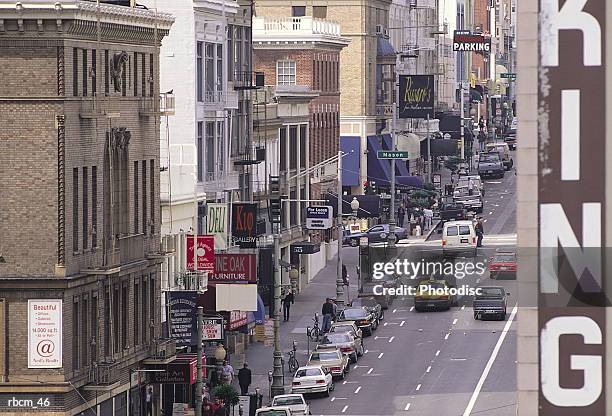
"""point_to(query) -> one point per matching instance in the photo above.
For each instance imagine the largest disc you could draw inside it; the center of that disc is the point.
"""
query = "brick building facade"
(80, 201)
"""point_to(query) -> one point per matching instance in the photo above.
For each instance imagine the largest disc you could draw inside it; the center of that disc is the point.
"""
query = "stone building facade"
(80, 202)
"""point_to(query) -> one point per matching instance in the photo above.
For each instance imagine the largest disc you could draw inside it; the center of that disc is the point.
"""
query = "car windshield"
(287, 401)
(489, 158)
(491, 292)
(370, 303)
(307, 372)
(353, 313)
(272, 413)
(324, 356)
(342, 328)
(451, 231)
(504, 258)
(336, 339)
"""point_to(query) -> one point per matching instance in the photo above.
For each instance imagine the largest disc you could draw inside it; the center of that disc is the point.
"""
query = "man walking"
(287, 302)
(479, 232)
(428, 218)
(471, 186)
(244, 379)
(401, 212)
(327, 311)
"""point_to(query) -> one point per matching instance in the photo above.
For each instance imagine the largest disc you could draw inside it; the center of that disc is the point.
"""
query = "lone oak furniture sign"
(234, 268)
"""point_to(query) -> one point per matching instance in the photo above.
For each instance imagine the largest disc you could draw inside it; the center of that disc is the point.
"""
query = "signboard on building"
(388, 154)
(269, 332)
(572, 209)
(319, 217)
(244, 225)
(182, 307)
(416, 96)
(237, 319)
(182, 370)
(217, 216)
(212, 328)
(205, 253)
(45, 333)
(466, 41)
(234, 268)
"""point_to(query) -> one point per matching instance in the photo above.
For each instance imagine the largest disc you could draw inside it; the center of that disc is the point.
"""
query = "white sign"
(217, 217)
(269, 332)
(44, 333)
(245, 403)
(319, 217)
(212, 329)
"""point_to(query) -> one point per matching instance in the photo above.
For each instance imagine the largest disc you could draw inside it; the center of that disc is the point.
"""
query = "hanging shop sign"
(416, 96)
(205, 253)
(234, 268)
(466, 41)
(182, 307)
(244, 225)
(45, 333)
(217, 216)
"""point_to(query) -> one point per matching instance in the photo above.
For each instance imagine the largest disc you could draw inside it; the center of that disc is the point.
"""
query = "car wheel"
(326, 394)
(493, 275)
(369, 332)
(475, 316)
(382, 316)
(360, 352)
(353, 242)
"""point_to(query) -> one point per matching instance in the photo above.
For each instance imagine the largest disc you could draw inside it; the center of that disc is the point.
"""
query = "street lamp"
(293, 278)
(355, 206)
(220, 354)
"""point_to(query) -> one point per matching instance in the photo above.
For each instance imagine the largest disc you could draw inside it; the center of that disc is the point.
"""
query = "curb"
(433, 228)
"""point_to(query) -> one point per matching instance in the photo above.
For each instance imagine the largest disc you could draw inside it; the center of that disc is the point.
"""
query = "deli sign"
(244, 225)
(572, 296)
(234, 268)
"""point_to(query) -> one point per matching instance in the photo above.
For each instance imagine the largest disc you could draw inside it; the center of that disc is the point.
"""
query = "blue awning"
(412, 181)
(384, 49)
(379, 171)
(260, 315)
(400, 165)
(350, 162)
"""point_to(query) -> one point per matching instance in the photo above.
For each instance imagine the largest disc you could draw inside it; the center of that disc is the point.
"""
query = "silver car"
(345, 342)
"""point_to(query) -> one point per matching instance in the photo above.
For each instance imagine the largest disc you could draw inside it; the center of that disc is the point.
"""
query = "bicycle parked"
(293, 362)
(315, 332)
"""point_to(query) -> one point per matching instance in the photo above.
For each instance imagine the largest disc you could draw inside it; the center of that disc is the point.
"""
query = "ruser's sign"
(416, 96)
(571, 197)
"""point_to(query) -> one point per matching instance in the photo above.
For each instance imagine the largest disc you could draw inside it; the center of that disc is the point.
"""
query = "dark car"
(452, 211)
(376, 234)
(370, 304)
(490, 165)
(364, 319)
(490, 301)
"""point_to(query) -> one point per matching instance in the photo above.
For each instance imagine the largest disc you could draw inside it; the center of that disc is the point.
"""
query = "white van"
(459, 237)
(504, 153)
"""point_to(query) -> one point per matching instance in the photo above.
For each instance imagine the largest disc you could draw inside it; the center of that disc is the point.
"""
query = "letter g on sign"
(590, 365)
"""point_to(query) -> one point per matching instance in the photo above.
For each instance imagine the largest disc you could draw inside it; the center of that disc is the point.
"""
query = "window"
(124, 79)
(75, 72)
(320, 12)
(143, 76)
(94, 72)
(116, 320)
(94, 206)
(94, 327)
(209, 87)
(124, 315)
(298, 11)
(221, 145)
(144, 196)
(135, 74)
(151, 75)
(210, 150)
(136, 199)
(199, 71)
(75, 209)
(200, 151)
(285, 73)
(85, 208)
(107, 322)
(75, 334)
(238, 49)
(302, 145)
(106, 74)
(293, 212)
(136, 313)
(152, 194)
(145, 311)
(230, 52)
(219, 60)
(85, 73)
(293, 131)
(152, 305)
(283, 148)
(84, 333)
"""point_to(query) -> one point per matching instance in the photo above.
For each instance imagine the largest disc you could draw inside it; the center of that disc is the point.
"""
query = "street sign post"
(508, 75)
(319, 217)
(386, 154)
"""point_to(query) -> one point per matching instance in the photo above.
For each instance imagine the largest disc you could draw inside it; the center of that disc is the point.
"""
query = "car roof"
(289, 395)
(310, 367)
(464, 222)
(492, 287)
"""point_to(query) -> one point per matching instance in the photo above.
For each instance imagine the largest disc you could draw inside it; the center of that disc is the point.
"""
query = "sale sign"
(234, 268)
(244, 225)
(44, 333)
(205, 253)
(212, 328)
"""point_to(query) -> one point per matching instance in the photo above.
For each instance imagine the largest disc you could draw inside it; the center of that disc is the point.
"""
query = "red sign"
(237, 319)
(182, 370)
(234, 268)
(206, 253)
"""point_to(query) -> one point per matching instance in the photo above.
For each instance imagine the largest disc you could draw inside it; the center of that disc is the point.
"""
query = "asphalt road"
(440, 363)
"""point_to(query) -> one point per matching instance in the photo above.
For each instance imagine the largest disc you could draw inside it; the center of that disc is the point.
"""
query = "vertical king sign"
(572, 299)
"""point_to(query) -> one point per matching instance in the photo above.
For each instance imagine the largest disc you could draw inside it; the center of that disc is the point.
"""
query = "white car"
(295, 402)
(273, 411)
(458, 237)
(312, 379)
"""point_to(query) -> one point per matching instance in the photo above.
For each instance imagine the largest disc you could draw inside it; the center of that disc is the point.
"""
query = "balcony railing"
(163, 349)
(296, 26)
(163, 105)
(131, 248)
(214, 97)
(102, 374)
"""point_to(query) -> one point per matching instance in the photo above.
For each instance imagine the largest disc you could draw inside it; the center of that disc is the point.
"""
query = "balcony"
(131, 248)
(305, 26)
(253, 156)
(102, 377)
(163, 106)
(162, 351)
(97, 107)
(384, 110)
(248, 80)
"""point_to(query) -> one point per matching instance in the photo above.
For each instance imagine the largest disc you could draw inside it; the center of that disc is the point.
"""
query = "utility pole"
(276, 213)
(198, 387)
(429, 157)
(339, 281)
(462, 119)
(391, 236)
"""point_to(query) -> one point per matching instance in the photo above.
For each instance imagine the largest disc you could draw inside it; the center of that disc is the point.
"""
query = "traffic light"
(275, 206)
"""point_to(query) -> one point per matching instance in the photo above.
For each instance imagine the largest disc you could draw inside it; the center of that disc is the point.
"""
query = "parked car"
(459, 237)
(364, 319)
(503, 150)
(295, 402)
(490, 165)
(452, 211)
(370, 304)
(470, 202)
(376, 234)
(478, 184)
(348, 344)
(503, 264)
(346, 327)
(312, 379)
(274, 411)
(332, 360)
(490, 301)
(426, 299)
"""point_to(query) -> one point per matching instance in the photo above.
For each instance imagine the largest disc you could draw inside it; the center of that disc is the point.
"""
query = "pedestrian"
(412, 222)
(227, 372)
(401, 212)
(327, 310)
(219, 408)
(206, 407)
(471, 186)
(287, 302)
(215, 405)
(149, 400)
(244, 379)
(479, 232)
(214, 377)
(345, 277)
(428, 218)
(335, 308)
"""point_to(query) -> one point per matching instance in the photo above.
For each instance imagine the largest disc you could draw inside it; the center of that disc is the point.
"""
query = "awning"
(379, 171)
(412, 181)
(260, 314)
(411, 143)
(384, 50)
(305, 247)
(350, 162)
(400, 166)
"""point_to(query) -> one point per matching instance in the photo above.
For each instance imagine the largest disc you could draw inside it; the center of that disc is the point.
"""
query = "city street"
(423, 363)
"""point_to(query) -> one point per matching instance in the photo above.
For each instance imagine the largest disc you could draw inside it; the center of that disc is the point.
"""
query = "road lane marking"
(437, 353)
(418, 387)
(485, 373)
(402, 323)
(455, 321)
(344, 408)
(490, 212)
(366, 351)
(357, 390)
(462, 307)
(407, 406)
(370, 371)
(385, 324)
(394, 310)
(332, 399)
(391, 339)
(411, 308)
(446, 336)
(428, 369)
(381, 354)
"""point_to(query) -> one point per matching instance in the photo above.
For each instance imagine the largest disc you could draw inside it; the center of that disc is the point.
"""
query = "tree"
(227, 393)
